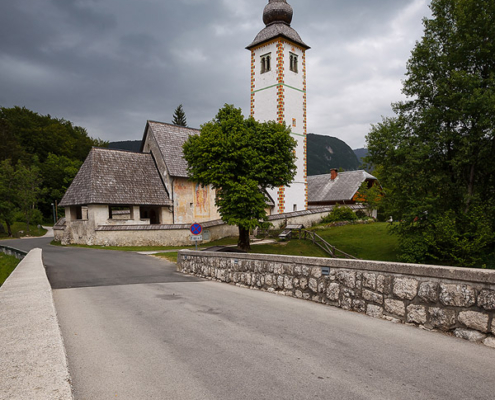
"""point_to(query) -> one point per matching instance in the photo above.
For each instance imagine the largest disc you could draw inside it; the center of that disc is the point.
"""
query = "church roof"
(321, 188)
(118, 178)
(170, 139)
(277, 17)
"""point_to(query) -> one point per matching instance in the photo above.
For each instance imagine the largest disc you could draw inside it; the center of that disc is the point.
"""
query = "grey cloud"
(110, 65)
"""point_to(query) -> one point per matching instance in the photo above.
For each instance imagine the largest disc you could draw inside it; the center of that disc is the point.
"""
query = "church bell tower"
(278, 92)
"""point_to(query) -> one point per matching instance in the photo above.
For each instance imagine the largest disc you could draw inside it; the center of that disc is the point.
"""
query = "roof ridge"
(176, 126)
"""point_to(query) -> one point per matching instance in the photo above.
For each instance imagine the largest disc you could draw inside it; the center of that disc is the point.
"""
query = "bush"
(361, 214)
(340, 213)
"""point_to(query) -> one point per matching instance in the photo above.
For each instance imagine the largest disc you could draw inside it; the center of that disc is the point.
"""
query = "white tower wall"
(280, 95)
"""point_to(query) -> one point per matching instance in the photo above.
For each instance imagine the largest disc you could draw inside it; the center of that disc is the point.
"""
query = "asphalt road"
(135, 329)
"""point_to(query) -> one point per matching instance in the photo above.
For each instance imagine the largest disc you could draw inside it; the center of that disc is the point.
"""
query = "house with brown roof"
(337, 188)
(146, 192)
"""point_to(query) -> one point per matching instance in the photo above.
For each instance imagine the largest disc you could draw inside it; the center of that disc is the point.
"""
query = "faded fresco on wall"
(183, 201)
(201, 202)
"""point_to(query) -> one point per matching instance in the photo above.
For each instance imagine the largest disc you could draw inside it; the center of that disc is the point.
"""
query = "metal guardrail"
(11, 251)
(325, 246)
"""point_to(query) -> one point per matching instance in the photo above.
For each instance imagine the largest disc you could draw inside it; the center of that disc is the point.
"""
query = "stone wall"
(460, 301)
(11, 251)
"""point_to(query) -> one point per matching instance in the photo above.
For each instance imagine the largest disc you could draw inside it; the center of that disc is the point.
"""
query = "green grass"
(221, 242)
(172, 257)
(7, 265)
(19, 230)
(369, 242)
(293, 247)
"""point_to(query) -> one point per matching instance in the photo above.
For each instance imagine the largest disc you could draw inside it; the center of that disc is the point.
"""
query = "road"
(136, 329)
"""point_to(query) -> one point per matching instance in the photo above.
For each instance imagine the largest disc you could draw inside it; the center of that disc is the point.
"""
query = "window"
(294, 122)
(295, 207)
(76, 212)
(266, 63)
(293, 62)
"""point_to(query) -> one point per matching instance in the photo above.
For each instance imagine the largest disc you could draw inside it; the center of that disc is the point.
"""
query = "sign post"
(196, 230)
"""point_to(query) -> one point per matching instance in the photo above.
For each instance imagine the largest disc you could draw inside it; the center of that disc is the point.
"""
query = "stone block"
(299, 294)
(313, 285)
(369, 281)
(457, 295)
(305, 271)
(474, 320)
(333, 292)
(288, 282)
(269, 280)
(372, 296)
(346, 303)
(306, 296)
(383, 284)
(374, 311)
(395, 307)
(295, 282)
(297, 270)
(416, 314)
(405, 288)
(486, 299)
(316, 299)
(280, 281)
(289, 269)
(347, 278)
(304, 283)
(472, 336)
(428, 292)
(489, 341)
(441, 319)
(359, 306)
(278, 269)
(316, 272)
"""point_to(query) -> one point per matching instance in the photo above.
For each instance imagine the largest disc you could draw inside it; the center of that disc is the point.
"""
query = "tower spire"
(277, 11)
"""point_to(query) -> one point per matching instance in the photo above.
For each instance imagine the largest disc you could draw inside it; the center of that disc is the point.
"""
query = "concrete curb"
(33, 360)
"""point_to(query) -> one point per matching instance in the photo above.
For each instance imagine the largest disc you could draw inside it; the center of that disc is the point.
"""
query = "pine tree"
(179, 117)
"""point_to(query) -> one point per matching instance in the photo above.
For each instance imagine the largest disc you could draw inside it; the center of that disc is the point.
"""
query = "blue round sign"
(196, 229)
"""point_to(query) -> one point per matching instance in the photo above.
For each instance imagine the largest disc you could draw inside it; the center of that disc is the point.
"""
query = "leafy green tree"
(370, 195)
(28, 188)
(8, 194)
(241, 158)
(57, 144)
(179, 117)
(436, 154)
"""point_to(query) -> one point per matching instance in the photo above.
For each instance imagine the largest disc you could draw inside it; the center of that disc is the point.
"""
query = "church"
(124, 198)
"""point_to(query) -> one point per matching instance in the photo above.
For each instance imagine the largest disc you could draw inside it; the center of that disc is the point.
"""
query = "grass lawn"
(221, 242)
(7, 265)
(369, 242)
(172, 257)
(19, 230)
(293, 247)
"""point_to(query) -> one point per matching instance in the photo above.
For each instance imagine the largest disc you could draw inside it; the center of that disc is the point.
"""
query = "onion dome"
(277, 11)
(277, 17)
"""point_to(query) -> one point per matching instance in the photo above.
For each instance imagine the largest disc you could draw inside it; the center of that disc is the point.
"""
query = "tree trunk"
(470, 188)
(9, 228)
(244, 243)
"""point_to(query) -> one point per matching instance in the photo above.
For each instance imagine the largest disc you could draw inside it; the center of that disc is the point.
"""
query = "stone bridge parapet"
(456, 300)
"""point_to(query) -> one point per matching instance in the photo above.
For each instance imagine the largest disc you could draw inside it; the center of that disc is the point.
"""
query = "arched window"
(293, 62)
(266, 63)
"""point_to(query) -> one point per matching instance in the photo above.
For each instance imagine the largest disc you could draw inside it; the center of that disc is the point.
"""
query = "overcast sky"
(111, 65)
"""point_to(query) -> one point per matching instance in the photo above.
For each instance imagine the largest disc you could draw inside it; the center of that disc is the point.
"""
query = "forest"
(40, 155)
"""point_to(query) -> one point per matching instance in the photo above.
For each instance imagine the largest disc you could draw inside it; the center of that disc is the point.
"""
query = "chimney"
(333, 174)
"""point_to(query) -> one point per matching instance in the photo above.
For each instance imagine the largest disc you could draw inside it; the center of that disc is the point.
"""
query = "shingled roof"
(322, 189)
(118, 178)
(275, 30)
(277, 17)
(170, 139)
